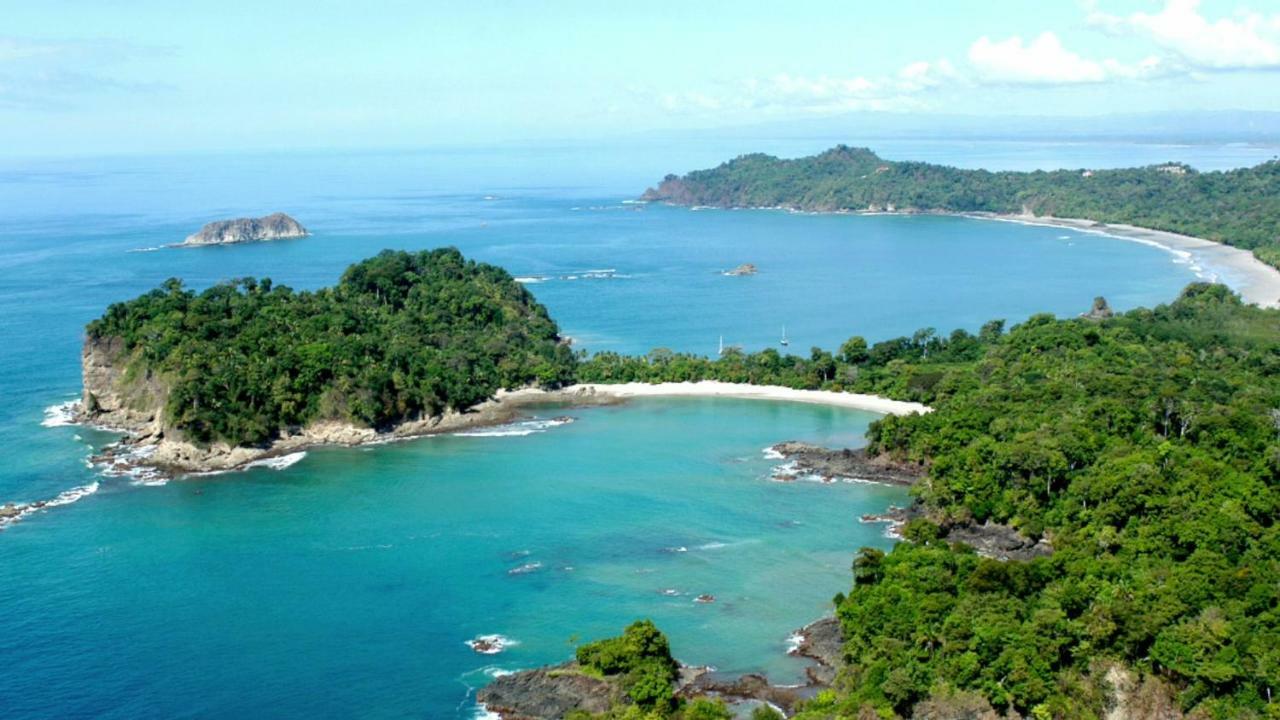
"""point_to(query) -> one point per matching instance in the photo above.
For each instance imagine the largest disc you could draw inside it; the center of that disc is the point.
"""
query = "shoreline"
(141, 452)
(1257, 282)
(739, 391)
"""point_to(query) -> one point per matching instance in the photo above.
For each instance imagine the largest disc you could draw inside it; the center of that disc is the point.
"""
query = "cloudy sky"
(98, 76)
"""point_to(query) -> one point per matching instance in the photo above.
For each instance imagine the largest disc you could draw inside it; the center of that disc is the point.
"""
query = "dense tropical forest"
(1145, 447)
(1236, 207)
(401, 336)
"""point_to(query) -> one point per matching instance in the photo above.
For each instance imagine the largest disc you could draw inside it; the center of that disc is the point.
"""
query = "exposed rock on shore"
(829, 464)
(548, 693)
(992, 540)
(752, 686)
(823, 642)
(226, 232)
(999, 541)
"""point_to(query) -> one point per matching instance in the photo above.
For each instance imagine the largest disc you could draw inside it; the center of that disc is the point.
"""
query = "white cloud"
(925, 75)
(1249, 41)
(1042, 61)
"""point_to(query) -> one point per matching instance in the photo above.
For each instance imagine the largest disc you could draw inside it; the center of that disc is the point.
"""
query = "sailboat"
(784, 341)
(721, 352)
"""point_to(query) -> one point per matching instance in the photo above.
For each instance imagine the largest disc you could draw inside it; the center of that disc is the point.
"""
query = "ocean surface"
(347, 582)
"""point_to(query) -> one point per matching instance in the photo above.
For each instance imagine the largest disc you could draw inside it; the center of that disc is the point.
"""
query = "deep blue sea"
(346, 584)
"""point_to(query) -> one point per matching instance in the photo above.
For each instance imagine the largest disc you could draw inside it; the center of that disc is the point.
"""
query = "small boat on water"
(784, 341)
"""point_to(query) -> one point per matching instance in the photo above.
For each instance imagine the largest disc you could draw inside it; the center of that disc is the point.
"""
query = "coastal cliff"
(113, 395)
(225, 232)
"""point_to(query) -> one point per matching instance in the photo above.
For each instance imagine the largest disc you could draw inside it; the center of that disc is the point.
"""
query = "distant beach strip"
(715, 388)
(1257, 282)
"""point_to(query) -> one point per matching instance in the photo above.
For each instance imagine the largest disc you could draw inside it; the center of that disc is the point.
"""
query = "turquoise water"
(346, 584)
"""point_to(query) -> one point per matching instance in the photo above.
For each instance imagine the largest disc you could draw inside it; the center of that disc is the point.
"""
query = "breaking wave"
(277, 463)
(517, 429)
(60, 415)
(66, 497)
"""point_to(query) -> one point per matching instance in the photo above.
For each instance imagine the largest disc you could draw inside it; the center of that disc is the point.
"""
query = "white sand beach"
(713, 388)
(1257, 282)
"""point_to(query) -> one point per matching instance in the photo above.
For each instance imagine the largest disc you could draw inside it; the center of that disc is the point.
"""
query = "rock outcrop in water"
(225, 232)
(846, 464)
(743, 269)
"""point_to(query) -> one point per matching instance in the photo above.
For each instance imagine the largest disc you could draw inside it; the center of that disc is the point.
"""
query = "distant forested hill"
(1236, 207)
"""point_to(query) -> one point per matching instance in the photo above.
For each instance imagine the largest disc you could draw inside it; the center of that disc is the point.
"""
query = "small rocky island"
(743, 269)
(275, 226)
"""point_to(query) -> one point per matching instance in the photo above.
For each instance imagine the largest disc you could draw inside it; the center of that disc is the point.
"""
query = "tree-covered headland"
(1237, 207)
(400, 337)
(1145, 447)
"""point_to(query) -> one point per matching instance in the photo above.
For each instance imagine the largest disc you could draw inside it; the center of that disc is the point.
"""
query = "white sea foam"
(66, 497)
(491, 644)
(771, 454)
(148, 249)
(516, 429)
(60, 415)
(719, 545)
(675, 549)
(526, 568)
(484, 713)
(277, 463)
(497, 672)
(129, 462)
(794, 641)
(530, 279)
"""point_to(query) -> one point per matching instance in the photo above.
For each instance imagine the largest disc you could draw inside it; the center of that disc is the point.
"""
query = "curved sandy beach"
(1257, 282)
(714, 388)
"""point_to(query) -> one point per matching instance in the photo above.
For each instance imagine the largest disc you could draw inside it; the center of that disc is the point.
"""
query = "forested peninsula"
(1139, 453)
(1235, 207)
(402, 338)
(1142, 448)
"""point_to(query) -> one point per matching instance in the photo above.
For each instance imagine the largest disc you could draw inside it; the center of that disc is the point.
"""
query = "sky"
(121, 76)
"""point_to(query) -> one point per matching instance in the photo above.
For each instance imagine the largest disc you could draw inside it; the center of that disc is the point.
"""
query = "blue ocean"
(348, 582)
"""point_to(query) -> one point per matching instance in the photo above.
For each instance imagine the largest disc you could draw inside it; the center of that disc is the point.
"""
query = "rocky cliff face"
(271, 227)
(673, 189)
(115, 397)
